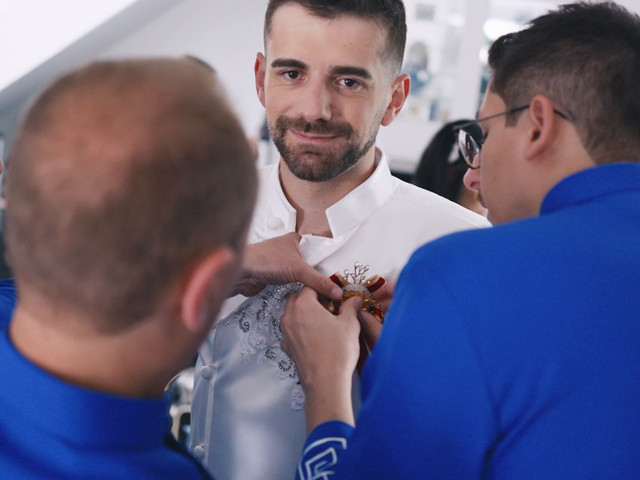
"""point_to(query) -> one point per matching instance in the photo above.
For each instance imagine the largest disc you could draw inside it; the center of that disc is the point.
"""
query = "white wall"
(226, 34)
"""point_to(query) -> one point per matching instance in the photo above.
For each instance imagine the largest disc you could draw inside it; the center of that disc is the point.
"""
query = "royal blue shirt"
(508, 353)
(7, 301)
(51, 429)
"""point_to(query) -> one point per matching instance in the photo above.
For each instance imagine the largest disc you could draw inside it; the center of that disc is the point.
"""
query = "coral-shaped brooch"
(355, 283)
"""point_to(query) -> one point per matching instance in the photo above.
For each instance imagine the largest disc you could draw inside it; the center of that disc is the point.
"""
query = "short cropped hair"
(586, 58)
(389, 14)
(123, 175)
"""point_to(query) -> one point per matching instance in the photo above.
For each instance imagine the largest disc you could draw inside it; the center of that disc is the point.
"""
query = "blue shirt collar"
(589, 184)
(78, 414)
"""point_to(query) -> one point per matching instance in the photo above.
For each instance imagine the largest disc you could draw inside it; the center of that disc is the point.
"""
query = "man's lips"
(313, 137)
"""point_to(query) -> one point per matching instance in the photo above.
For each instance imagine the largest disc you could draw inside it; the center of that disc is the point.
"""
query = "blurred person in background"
(441, 167)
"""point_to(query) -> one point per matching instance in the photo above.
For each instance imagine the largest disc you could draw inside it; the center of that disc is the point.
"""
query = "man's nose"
(315, 101)
(471, 179)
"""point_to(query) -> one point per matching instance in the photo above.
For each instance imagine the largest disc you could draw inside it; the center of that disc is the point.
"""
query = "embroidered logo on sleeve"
(319, 458)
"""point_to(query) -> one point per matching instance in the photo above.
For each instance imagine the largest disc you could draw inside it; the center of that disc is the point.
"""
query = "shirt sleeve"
(322, 450)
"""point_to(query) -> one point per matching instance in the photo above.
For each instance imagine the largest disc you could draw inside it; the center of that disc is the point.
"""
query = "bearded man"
(329, 78)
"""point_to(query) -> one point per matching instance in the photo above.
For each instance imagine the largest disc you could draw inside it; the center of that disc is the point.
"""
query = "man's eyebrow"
(340, 70)
(288, 62)
(353, 71)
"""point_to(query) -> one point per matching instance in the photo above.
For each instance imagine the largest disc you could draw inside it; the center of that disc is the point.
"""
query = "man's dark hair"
(389, 14)
(586, 58)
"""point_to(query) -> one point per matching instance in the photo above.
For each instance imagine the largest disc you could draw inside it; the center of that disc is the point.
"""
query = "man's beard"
(317, 163)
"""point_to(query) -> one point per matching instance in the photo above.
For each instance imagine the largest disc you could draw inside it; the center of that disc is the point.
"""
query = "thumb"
(352, 305)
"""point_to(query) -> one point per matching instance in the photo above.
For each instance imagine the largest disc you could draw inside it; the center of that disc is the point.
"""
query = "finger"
(294, 235)
(288, 316)
(305, 300)
(285, 347)
(351, 305)
(384, 292)
(307, 293)
(370, 325)
(384, 296)
(252, 288)
(321, 284)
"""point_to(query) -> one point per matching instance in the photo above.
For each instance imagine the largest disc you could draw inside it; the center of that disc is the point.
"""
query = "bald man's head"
(122, 175)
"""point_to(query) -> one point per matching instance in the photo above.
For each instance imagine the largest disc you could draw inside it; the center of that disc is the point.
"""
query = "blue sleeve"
(425, 396)
(324, 446)
(7, 301)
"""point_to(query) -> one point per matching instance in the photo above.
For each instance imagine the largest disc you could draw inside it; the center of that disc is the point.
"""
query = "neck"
(312, 199)
(126, 363)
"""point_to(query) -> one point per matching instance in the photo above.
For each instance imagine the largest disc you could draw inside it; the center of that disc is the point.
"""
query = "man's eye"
(292, 74)
(350, 82)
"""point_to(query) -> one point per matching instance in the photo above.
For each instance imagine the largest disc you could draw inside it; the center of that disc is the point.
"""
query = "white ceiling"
(35, 30)
(42, 38)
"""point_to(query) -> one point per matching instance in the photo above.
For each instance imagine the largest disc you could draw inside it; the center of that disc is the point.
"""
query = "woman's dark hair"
(439, 171)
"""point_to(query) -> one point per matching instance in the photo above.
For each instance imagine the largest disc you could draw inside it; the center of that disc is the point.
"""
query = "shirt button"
(198, 451)
(207, 372)
(275, 222)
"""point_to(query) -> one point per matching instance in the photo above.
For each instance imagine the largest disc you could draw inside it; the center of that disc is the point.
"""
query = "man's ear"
(543, 127)
(260, 70)
(206, 288)
(400, 91)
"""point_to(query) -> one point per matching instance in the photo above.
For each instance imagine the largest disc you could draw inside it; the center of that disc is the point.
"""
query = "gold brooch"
(355, 283)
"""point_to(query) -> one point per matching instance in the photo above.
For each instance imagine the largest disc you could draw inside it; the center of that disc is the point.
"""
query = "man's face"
(498, 180)
(325, 90)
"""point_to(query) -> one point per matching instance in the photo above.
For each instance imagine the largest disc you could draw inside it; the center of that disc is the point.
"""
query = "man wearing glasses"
(511, 352)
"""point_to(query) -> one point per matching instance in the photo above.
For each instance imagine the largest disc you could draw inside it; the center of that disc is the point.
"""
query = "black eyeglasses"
(470, 143)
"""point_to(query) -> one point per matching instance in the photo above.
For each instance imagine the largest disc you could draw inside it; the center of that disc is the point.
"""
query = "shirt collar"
(346, 214)
(80, 415)
(589, 184)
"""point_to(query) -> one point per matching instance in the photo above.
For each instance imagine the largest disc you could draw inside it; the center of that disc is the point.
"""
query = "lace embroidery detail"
(257, 322)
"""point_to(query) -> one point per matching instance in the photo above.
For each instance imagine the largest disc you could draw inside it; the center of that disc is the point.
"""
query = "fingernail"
(358, 303)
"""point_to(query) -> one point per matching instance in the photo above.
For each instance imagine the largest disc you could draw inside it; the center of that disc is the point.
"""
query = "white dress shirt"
(247, 418)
